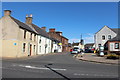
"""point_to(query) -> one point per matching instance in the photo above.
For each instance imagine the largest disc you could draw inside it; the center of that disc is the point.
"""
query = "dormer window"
(109, 36)
(103, 37)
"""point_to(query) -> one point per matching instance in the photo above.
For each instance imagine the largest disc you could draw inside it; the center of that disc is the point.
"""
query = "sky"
(72, 18)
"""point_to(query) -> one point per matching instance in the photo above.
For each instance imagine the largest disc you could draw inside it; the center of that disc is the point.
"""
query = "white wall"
(112, 47)
(41, 45)
(104, 31)
(56, 47)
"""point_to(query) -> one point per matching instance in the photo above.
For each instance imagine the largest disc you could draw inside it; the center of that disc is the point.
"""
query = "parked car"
(89, 50)
(75, 50)
(71, 50)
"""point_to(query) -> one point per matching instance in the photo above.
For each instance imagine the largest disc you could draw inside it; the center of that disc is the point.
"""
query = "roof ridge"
(22, 25)
(40, 31)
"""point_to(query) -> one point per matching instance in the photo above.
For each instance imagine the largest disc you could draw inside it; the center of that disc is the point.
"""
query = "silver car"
(75, 51)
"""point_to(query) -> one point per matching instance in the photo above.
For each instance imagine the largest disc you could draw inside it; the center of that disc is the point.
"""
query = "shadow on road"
(66, 78)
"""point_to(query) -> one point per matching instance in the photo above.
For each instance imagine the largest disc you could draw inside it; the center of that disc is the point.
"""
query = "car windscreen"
(75, 49)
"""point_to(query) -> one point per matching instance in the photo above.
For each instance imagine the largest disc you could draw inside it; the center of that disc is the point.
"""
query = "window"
(99, 45)
(109, 36)
(103, 37)
(24, 34)
(31, 36)
(40, 49)
(40, 41)
(34, 48)
(116, 45)
(24, 47)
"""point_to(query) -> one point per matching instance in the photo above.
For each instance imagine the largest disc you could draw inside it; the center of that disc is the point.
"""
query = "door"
(30, 49)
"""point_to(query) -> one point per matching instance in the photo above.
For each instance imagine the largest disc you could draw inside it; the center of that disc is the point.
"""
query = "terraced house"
(21, 39)
(18, 39)
(43, 40)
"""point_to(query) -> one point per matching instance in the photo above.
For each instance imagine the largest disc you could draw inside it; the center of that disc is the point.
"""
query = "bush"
(112, 56)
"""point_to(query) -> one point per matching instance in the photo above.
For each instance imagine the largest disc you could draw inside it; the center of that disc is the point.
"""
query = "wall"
(112, 46)
(28, 42)
(98, 37)
(44, 41)
(13, 39)
(9, 37)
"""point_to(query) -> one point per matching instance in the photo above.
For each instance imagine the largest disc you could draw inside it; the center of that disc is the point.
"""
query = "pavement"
(92, 57)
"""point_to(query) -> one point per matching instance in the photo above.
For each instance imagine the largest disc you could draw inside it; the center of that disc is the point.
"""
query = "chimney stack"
(52, 30)
(7, 12)
(43, 28)
(59, 33)
(29, 19)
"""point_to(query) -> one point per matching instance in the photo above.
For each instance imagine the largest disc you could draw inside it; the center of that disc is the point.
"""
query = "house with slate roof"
(18, 39)
(44, 42)
(113, 45)
(109, 38)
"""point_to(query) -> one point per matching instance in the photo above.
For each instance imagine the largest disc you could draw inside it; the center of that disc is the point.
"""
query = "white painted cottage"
(43, 40)
(56, 47)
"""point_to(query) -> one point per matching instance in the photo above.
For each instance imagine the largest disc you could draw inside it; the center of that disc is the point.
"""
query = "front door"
(30, 49)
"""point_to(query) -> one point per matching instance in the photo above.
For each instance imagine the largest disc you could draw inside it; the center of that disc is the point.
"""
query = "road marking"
(77, 74)
(33, 67)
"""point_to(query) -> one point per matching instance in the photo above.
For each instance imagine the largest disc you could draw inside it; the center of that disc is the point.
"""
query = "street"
(61, 65)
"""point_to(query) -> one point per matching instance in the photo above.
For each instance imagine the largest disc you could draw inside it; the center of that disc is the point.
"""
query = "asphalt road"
(61, 65)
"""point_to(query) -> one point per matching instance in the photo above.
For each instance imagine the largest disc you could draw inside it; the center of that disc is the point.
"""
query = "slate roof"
(75, 44)
(53, 39)
(22, 25)
(64, 37)
(116, 30)
(117, 38)
(40, 31)
(88, 45)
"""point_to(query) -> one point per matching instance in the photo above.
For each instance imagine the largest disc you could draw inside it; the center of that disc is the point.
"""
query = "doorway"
(30, 49)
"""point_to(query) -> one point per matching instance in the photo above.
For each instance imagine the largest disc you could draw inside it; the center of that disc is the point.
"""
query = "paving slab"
(92, 57)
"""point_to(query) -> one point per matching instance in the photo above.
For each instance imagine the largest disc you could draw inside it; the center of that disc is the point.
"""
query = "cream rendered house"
(18, 39)
(43, 39)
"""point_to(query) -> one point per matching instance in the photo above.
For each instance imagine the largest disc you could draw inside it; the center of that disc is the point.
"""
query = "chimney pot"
(7, 12)
(27, 15)
(31, 15)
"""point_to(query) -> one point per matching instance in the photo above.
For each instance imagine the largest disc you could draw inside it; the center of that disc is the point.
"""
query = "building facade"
(18, 39)
(43, 39)
(113, 45)
(63, 45)
(107, 37)
(103, 35)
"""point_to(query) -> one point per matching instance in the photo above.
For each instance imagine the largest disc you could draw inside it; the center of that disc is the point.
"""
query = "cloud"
(73, 40)
(88, 38)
